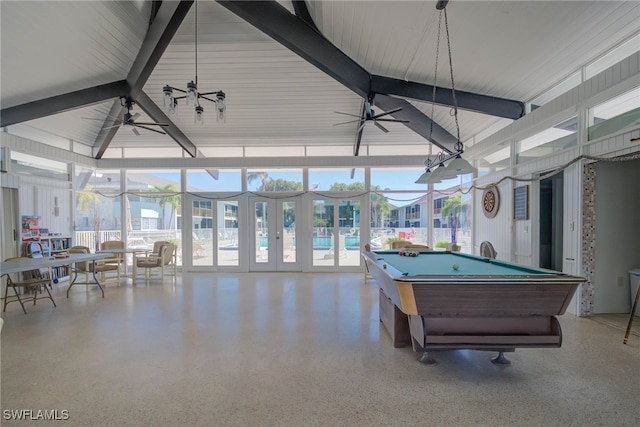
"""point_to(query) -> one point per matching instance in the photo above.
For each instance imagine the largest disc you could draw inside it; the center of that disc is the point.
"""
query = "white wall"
(496, 230)
(572, 222)
(617, 240)
(37, 196)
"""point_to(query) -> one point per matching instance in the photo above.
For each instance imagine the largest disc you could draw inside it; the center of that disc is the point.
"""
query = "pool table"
(441, 300)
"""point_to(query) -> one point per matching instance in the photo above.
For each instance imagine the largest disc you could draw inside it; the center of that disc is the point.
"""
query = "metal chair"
(32, 280)
(487, 250)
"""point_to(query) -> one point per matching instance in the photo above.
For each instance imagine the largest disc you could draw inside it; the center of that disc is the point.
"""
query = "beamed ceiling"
(288, 67)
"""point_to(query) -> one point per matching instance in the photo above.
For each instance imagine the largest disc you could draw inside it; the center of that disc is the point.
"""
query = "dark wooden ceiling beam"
(418, 122)
(61, 103)
(156, 113)
(493, 106)
(295, 34)
(302, 38)
(166, 20)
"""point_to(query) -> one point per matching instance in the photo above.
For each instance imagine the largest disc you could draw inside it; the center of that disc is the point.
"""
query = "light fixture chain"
(453, 88)
(196, 39)
(435, 77)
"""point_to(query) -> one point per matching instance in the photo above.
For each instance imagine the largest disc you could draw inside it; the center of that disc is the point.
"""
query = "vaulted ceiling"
(287, 67)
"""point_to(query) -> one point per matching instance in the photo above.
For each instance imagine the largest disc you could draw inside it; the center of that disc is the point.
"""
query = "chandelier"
(436, 170)
(191, 95)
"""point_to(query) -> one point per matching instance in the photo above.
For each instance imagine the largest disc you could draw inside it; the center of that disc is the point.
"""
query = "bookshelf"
(54, 244)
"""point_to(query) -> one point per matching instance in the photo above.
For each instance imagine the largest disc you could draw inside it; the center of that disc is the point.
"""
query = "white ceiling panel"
(507, 49)
(54, 47)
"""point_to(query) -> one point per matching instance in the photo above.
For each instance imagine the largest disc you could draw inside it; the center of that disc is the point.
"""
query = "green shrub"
(441, 244)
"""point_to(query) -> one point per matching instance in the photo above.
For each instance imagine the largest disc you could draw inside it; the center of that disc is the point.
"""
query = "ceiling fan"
(368, 114)
(129, 119)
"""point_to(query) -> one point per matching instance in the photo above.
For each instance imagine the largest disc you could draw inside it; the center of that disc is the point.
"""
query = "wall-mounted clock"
(490, 201)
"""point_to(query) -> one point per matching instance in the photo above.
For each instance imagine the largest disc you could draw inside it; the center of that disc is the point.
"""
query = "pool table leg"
(427, 359)
(500, 359)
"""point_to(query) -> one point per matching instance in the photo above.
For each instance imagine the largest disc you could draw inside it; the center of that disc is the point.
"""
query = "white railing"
(135, 239)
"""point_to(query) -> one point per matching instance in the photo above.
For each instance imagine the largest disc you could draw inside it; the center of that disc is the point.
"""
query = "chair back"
(168, 251)
(84, 265)
(157, 245)
(111, 244)
(34, 250)
(487, 250)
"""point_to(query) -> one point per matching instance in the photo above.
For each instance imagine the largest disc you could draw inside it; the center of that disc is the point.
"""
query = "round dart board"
(490, 201)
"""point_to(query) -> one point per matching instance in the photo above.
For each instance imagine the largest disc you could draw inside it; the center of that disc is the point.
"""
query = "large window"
(31, 165)
(274, 180)
(617, 113)
(336, 179)
(559, 137)
(154, 208)
(98, 207)
(199, 180)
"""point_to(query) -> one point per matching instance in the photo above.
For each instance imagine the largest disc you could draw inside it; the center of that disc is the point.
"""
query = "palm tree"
(380, 207)
(87, 201)
(452, 209)
(262, 176)
(169, 196)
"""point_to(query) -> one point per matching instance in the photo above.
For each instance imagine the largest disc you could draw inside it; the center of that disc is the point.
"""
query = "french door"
(214, 232)
(273, 231)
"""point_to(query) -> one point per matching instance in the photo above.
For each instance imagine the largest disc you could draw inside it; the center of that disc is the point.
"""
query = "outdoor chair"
(163, 260)
(89, 267)
(116, 258)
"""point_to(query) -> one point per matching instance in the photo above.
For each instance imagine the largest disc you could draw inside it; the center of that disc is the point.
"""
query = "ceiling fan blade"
(114, 126)
(391, 120)
(350, 121)
(135, 116)
(148, 128)
(382, 128)
(134, 130)
(151, 124)
(347, 114)
(387, 113)
(107, 117)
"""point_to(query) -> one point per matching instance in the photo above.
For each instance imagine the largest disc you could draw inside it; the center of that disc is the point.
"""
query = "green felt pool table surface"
(435, 263)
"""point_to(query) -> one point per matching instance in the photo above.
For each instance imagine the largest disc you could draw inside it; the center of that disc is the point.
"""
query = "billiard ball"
(455, 266)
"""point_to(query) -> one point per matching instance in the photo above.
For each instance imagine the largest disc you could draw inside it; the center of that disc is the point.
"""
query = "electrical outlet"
(620, 281)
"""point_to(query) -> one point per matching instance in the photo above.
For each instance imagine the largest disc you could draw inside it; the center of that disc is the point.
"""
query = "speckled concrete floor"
(290, 350)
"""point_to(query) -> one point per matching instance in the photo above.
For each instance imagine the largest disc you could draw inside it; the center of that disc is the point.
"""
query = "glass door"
(336, 232)
(214, 227)
(273, 234)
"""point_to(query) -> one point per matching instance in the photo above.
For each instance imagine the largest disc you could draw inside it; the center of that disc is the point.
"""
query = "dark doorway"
(551, 215)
